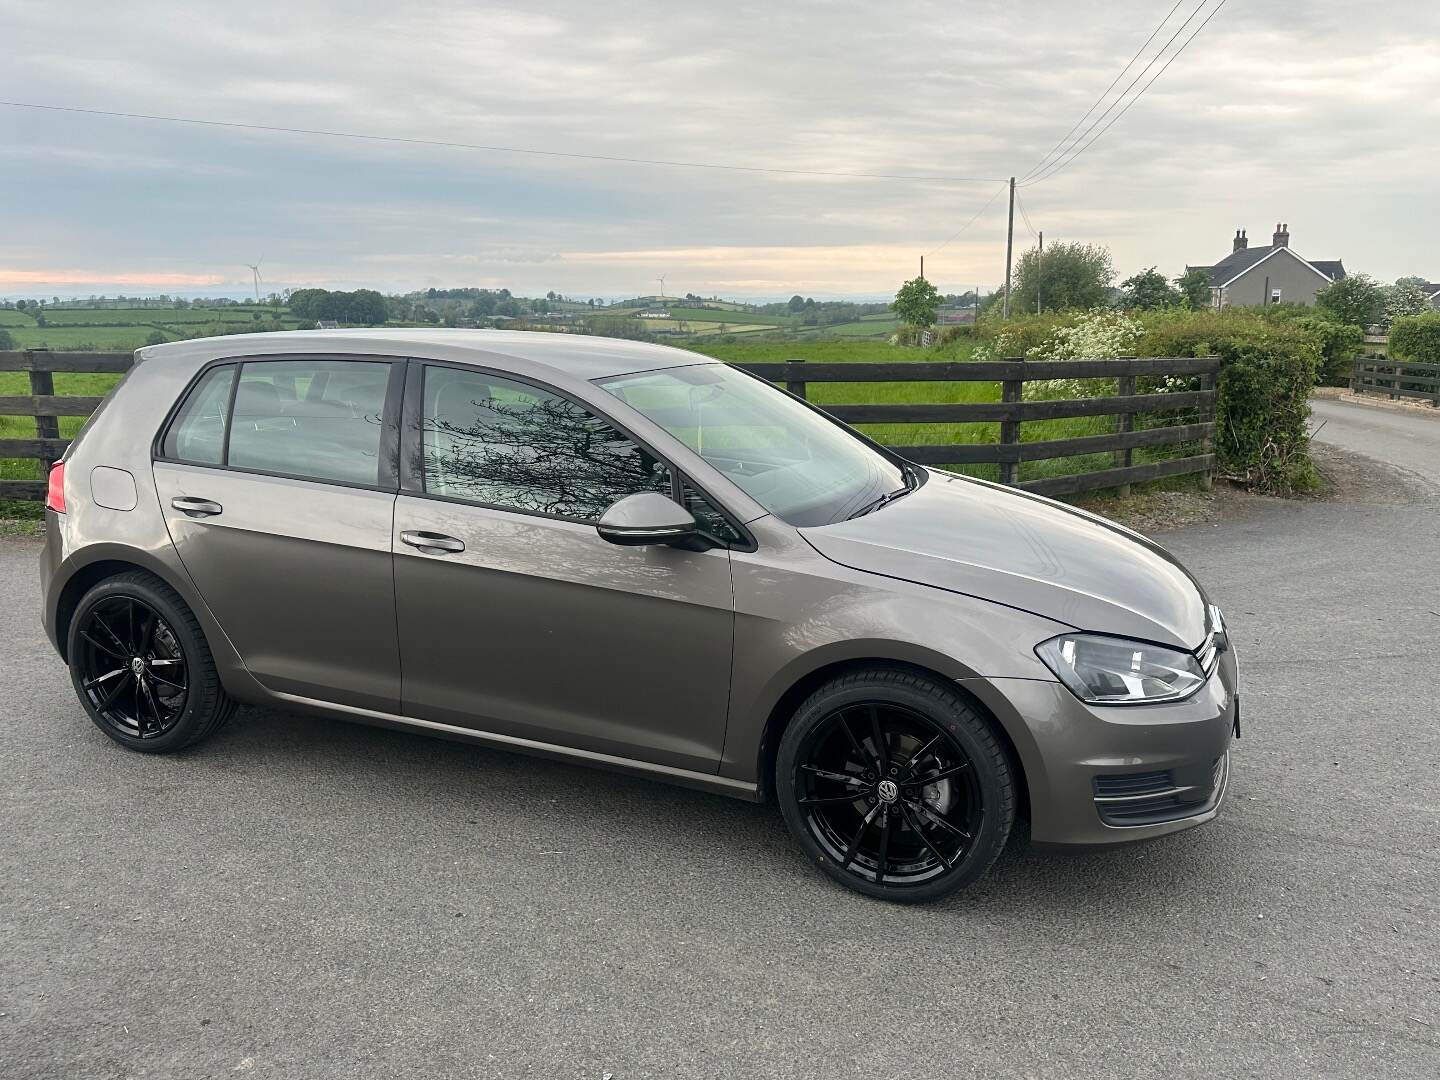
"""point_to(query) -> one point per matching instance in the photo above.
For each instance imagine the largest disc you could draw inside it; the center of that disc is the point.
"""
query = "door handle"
(432, 543)
(196, 507)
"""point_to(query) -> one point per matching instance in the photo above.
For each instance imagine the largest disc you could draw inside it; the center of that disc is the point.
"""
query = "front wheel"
(141, 665)
(895, 785)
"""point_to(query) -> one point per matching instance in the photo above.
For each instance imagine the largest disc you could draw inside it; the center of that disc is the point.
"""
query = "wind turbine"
(661, 279)
(255, 271)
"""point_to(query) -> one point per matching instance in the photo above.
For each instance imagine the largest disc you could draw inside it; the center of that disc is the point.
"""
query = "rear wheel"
(141, 666)
(895, 785)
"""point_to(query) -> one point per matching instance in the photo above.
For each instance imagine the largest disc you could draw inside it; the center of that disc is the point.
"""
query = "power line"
(1174, 56)
(1042, 162)
(274, 128)
(1055, 165)
(1019, 202)
(956, 234)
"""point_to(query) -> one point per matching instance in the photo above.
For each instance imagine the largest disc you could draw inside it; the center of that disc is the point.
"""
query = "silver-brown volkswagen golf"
(634, 557)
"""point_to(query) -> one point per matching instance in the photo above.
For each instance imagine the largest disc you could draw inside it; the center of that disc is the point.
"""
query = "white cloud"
(1274, 112)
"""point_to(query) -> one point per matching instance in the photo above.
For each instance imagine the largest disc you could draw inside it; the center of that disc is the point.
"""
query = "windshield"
(800, 466)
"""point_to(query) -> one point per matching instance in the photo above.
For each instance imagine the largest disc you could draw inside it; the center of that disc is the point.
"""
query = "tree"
(1194, 286)
(915, 303)
(1405, 297)
(1063, 277)
(797, 302)
(7, 342)
(1358, 300)
(1148, 291)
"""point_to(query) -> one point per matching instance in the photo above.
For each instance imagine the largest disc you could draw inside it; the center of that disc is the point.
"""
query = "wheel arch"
(97, 562)
(785, 707)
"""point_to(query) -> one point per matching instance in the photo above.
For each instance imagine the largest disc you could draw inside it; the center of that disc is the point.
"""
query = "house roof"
(1240, 262)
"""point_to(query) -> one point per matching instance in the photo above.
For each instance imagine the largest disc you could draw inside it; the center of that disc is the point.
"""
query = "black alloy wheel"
(131, 667)
(142, 667)
(896, 785)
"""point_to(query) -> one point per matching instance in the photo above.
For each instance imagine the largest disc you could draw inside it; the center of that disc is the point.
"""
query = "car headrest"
(257, 399)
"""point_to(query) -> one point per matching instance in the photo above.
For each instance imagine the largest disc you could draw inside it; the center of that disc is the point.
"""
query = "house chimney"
(1241, 242)
(1282, 235)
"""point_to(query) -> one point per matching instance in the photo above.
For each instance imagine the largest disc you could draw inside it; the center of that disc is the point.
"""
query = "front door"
(515, 616)
(277, 482)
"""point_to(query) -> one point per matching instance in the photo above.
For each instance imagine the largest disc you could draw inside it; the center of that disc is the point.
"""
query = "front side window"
(501, 443)
(798, 465)
(316, 419)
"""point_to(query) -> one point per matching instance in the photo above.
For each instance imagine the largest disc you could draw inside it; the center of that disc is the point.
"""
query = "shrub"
(1267, 370)
(1416, 338)
(1339, 342)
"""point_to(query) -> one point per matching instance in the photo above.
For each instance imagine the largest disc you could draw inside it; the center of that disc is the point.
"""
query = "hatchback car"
(638, 558)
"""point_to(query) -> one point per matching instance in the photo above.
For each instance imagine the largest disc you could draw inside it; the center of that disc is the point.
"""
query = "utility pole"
(1039, 275)
(922, 267)
(1009, 247)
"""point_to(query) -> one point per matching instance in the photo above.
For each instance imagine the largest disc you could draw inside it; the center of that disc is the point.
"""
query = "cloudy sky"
(1320, 113)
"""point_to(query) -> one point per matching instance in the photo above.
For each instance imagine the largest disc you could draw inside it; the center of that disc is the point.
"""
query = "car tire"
(141, 666)
(907, 841)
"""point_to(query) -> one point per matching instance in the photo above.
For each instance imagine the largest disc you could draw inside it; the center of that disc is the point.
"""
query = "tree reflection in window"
(492, 441)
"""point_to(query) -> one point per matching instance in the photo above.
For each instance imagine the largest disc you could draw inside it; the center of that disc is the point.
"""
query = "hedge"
(1416, 338)
(1267, 370)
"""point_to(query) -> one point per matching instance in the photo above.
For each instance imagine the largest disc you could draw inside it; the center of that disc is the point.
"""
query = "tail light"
(55, 489)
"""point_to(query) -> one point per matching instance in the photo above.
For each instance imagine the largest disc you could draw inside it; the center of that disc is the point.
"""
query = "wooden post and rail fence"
(1011, 412)
(1396, 379)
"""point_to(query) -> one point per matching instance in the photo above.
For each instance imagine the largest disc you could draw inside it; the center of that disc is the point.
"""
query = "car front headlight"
(1103, 670)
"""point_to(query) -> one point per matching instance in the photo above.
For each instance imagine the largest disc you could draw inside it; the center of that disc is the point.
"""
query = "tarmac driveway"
(309, 899)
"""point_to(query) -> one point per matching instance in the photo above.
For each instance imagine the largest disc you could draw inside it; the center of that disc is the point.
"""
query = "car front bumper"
(1108, 775)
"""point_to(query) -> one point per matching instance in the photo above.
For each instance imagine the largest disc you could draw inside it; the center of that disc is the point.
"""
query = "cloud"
(1270, 114)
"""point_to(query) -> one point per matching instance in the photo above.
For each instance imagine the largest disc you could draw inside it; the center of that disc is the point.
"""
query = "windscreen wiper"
(889, 496)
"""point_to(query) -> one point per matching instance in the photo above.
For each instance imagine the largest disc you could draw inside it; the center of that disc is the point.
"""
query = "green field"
(130, 316)
(709, 315)
(881, 327)
(82, 337)
(23, 427)
(130, 328)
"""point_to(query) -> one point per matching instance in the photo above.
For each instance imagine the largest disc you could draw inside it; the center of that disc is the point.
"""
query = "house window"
(1275, 295)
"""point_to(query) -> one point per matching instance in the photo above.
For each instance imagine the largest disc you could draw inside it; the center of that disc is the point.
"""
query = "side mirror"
(648, 518)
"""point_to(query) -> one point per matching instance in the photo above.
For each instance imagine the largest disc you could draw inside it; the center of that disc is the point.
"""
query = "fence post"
(1355, 376)
(1012, 391)
(795, 386)
(1125, 387)
(42, 384)
(1207, 446)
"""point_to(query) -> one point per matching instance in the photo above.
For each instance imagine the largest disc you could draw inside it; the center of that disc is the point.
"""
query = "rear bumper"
(1102, 776)
(51, 555)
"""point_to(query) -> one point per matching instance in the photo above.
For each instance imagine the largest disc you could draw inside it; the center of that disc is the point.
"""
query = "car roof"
(577, 356)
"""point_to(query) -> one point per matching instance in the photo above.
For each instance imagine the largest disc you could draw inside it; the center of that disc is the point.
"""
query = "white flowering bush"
(1091, 335)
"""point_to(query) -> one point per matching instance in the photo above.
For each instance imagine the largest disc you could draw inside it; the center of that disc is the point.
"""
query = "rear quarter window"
(197, 434)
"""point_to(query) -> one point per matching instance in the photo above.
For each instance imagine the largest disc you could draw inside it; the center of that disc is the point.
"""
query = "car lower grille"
(1131, 799)
(1133, 784)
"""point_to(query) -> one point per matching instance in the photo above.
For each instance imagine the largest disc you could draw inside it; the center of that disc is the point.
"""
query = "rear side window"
(506, 444)
(313, 419)
(197, 433)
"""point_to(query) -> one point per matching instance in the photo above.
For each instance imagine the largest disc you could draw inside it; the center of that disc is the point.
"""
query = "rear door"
(277, 479)
(515, 616)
